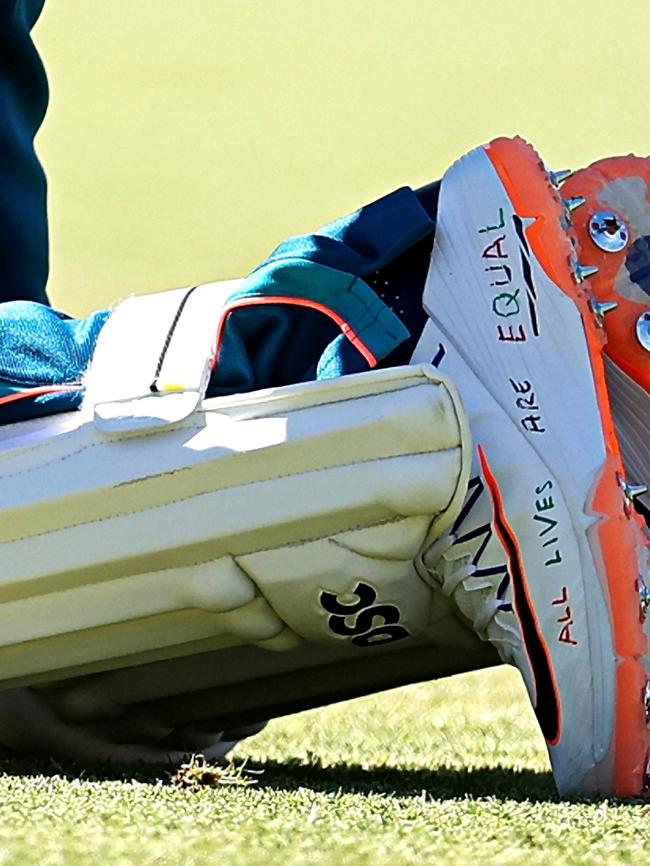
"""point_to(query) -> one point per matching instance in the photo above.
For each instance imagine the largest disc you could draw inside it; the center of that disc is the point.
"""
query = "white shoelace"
(455, 574)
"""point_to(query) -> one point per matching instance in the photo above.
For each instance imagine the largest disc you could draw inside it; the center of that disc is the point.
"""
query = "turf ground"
(185, 138)
(448, 773)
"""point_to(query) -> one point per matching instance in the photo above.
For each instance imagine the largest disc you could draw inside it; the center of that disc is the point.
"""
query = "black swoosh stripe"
(527, 273)
(547, 703)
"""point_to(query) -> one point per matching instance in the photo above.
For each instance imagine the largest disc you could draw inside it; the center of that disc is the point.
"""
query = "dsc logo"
(368, 624)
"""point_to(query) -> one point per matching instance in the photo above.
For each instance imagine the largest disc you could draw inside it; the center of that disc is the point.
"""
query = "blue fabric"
(364, 241)
(264, 345)
(40, 347)
(276, 345)
(23, 100)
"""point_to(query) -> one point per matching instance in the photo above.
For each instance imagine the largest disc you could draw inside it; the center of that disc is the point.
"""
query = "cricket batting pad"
(154, 523)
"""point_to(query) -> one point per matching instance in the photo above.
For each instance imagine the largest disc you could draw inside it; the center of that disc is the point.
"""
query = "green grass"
(452, 772)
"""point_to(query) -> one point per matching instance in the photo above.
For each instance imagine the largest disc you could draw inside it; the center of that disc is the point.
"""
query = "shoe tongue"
(631, 413)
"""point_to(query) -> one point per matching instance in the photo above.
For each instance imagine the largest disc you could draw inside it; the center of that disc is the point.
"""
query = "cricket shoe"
(545, 557)
(613, 230)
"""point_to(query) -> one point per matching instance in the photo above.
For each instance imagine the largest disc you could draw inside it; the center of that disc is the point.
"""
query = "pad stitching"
(235, 558)
(187, 424)
(155, 508)
(190, 423)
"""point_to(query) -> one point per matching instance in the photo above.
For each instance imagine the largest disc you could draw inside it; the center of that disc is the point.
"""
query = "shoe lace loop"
(475, 596)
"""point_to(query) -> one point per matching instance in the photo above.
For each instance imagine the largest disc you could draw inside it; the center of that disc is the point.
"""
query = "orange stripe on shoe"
(618, 536)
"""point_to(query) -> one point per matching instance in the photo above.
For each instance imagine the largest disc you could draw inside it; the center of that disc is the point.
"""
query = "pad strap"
(153, 358)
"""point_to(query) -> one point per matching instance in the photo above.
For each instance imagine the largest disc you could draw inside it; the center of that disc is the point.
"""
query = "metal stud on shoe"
(644, 598)
(632, 491)
(601, 308)
(643, 330)
(573, 203)
(557, 178)
(608, 231)
(583, 272)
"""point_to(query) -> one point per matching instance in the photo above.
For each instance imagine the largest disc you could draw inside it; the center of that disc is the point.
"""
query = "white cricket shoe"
(546, 555)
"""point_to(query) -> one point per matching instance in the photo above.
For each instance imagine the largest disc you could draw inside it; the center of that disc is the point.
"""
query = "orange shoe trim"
(622, 344)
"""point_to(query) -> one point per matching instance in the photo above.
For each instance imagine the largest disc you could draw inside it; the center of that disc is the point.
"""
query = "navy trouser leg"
(23, 100)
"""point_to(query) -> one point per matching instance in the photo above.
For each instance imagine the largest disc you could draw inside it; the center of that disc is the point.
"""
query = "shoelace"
(462, 572)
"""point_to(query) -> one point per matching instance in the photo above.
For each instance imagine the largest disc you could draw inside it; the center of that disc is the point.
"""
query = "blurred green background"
(185, 138)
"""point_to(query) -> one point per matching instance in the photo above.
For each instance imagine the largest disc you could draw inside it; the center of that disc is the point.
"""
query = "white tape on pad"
(152, 362)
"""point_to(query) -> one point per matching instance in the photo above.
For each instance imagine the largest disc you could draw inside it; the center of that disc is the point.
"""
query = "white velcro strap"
(152, 362)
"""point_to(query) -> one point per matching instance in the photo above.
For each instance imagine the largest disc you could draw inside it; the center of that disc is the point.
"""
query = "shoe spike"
(608, 231)
(583, 272)
(601, 308)
(644, 598)
(643, 330)
(574, 203)
(632, 491)
(557, 178)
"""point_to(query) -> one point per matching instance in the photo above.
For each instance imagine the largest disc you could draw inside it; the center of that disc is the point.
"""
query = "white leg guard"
(227, 688)
(156, 524)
